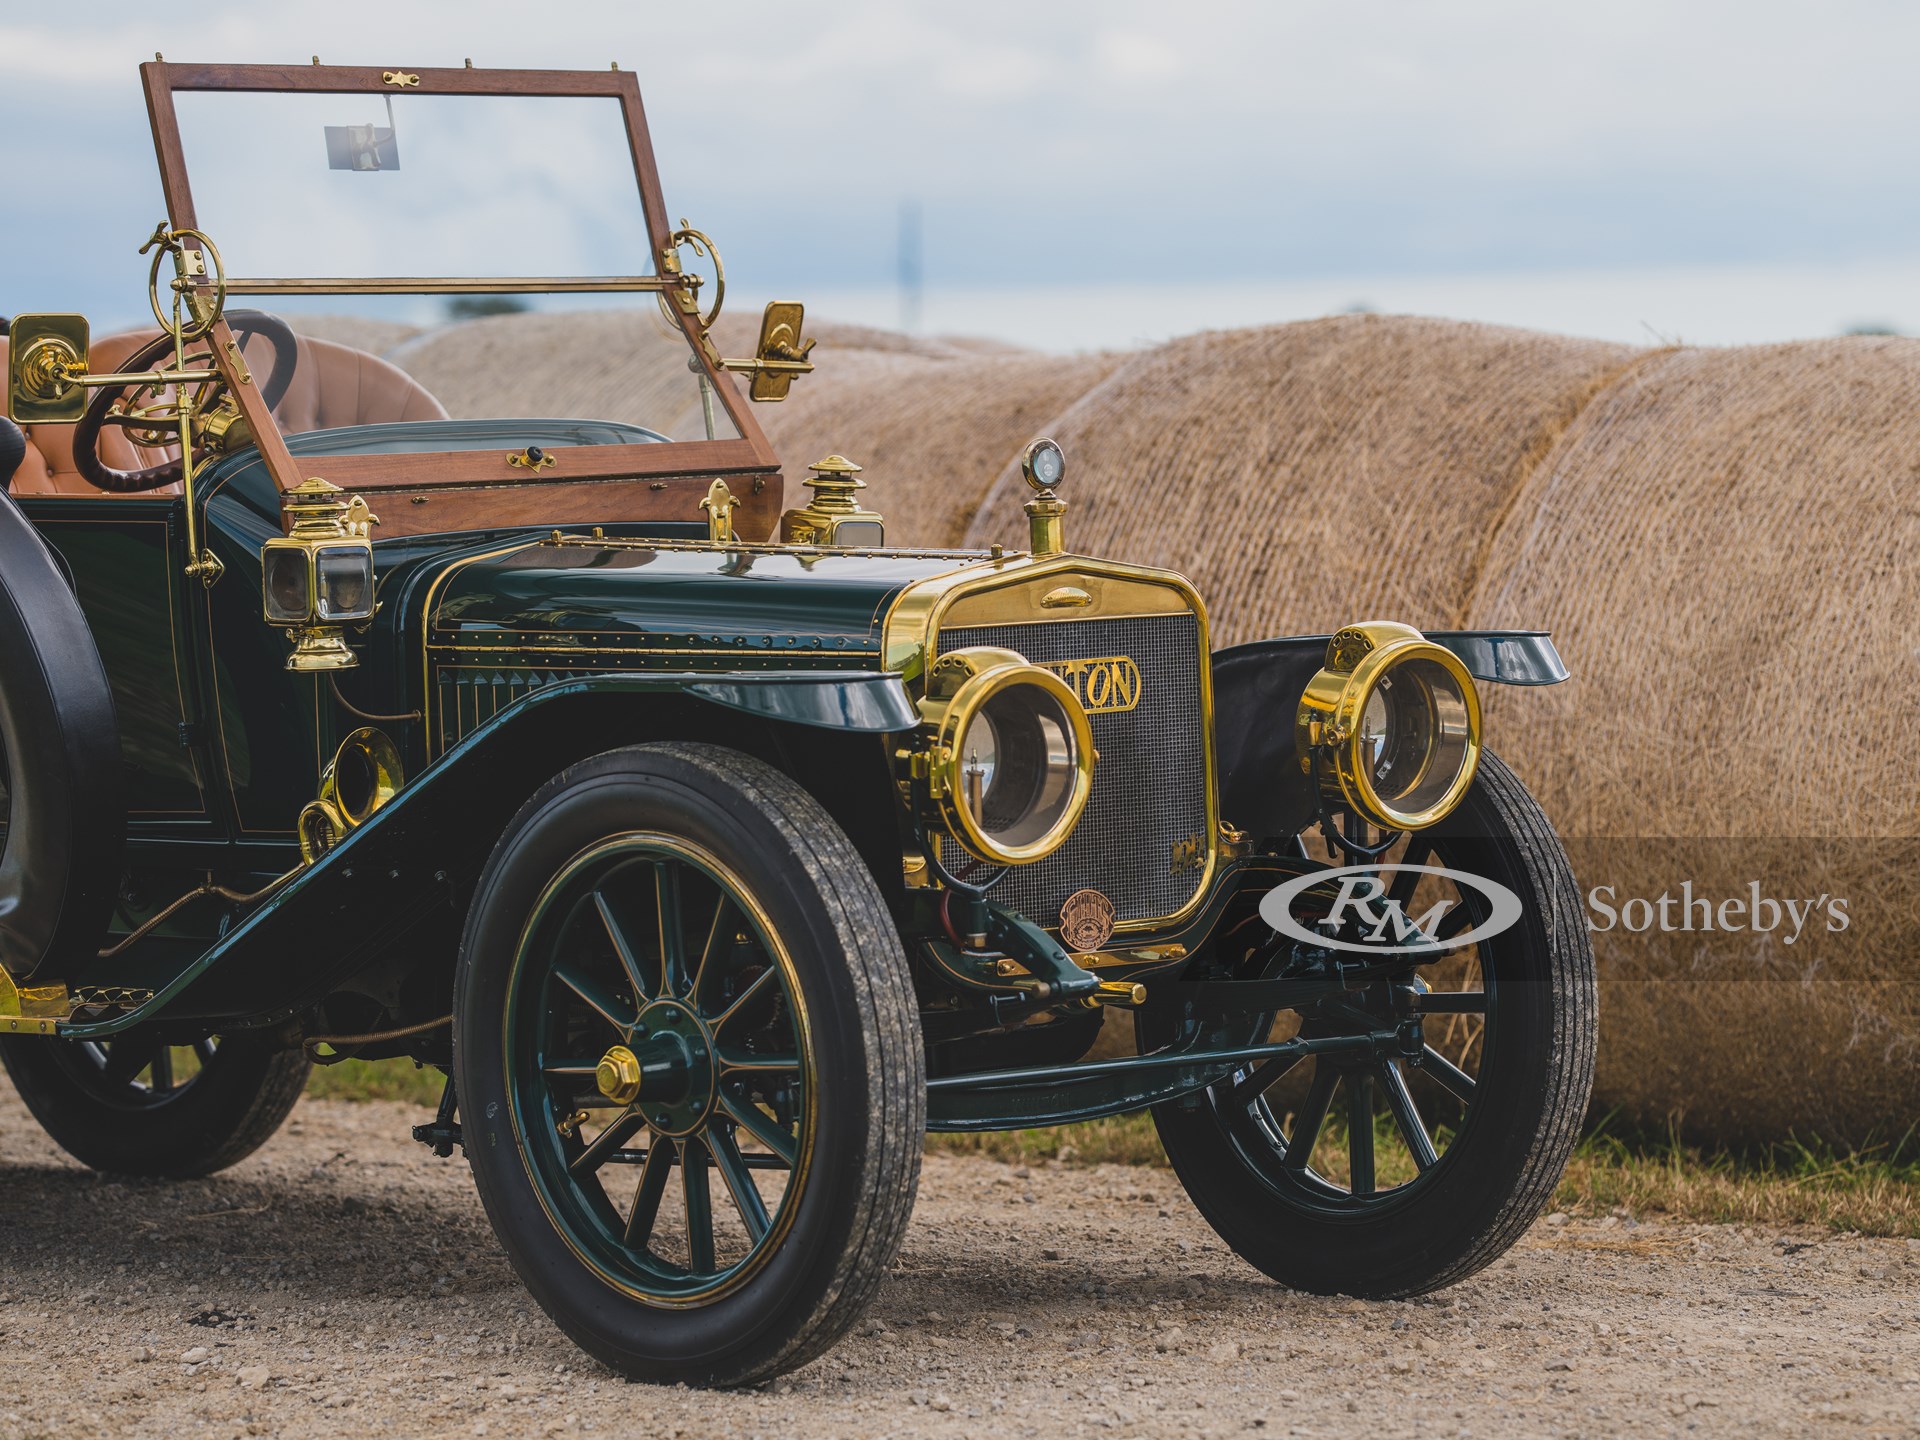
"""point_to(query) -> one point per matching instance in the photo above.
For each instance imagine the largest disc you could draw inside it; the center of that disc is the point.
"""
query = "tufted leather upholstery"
(333, 386)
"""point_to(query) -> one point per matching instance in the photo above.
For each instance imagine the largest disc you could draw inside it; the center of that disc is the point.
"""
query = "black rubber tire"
(65, 824)
(214, 1119)
(871, 1112)
(1501, 1172)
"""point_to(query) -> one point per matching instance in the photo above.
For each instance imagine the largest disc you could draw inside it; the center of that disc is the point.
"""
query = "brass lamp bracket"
(719, 505)
(687, 293)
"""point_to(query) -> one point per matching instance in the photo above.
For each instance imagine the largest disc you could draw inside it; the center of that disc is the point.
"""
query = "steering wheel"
(149, 414)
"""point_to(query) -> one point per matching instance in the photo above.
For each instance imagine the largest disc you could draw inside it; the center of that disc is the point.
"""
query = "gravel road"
(344, 1282)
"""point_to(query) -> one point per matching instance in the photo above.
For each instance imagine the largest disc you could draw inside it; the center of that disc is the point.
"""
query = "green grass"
(1875, 1190)
(376, 1080)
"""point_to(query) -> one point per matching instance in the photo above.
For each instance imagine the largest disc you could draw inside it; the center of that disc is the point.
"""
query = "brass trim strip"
(460, 285)
(770, 547)
(514, 648)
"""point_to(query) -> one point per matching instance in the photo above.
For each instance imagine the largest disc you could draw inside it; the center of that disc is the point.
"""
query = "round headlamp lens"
(1415, 735)
(1018, 761)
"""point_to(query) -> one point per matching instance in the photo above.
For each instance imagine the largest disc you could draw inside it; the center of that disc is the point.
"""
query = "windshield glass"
(464, 256)
(415, 185)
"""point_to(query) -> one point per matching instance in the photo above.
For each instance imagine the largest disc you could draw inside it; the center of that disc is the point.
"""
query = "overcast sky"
(1202, 143)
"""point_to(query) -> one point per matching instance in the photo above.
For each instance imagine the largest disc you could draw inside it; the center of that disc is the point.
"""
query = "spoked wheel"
(1400, 1168)
(141, 1105)
(689, 1066)
(659, 1055)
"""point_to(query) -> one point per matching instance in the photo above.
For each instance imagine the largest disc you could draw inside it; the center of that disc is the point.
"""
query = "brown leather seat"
(333, 386)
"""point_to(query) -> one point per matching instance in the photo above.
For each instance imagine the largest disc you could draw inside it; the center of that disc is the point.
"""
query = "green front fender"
(399, 879)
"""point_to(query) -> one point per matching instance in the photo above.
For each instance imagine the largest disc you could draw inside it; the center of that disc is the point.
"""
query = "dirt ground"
(343, 1281)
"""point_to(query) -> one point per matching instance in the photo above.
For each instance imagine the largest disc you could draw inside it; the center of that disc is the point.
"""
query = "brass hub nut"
(618, 1075)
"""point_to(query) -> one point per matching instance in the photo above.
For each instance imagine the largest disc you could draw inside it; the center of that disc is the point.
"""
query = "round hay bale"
(934, 432)
(627, 365)
(1725, 543)
(1312, 474)
(362, 332)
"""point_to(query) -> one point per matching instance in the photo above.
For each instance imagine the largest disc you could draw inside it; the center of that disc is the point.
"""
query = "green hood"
(636, 596)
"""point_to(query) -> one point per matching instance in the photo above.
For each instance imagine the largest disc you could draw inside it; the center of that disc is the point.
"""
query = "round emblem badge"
(1086, 920)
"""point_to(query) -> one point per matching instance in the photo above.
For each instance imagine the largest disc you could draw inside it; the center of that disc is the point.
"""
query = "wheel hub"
(667, 1074)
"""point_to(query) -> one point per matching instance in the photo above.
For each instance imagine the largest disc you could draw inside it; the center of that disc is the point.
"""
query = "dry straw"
(1726, 543)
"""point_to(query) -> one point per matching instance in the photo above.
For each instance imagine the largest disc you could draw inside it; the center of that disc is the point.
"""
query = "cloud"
(1304, 137)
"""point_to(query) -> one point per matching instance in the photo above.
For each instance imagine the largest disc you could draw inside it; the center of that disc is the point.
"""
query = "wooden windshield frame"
(476, 488)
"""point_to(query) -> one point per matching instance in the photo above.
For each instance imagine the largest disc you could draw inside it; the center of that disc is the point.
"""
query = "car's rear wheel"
(141, 1105)
(689, 1065)
(1367, 1173)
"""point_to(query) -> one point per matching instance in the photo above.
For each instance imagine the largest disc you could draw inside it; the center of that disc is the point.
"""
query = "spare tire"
(62, 817)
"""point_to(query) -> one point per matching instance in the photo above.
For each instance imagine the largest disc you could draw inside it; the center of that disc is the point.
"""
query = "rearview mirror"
(48, 352)
(782, 354)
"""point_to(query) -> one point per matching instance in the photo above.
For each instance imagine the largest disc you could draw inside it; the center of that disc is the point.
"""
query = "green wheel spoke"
(736, 1061)
(617, 1133)
(732, 1166)
(1449, 1076)
(759, 982)
(1260, 1079)
(125, 1060)
(1406, 1115)
(654, 1175)
(570, 1067)
(673, 947)
(1360, 1132)
(620, 1016)
(622, 946)
(1313, 1115)
(162, 1068)
(697, 1190)
(1405, 882)
(762, 1127)
(719, 935)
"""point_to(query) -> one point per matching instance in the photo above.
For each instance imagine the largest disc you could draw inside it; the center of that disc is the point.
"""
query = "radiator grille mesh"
(1150, 787)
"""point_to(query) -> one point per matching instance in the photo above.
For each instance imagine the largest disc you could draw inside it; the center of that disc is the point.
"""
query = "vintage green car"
(714, 849)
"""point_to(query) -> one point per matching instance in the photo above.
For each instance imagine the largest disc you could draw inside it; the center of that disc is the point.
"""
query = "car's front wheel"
(1378, 1172)
(689, 1066)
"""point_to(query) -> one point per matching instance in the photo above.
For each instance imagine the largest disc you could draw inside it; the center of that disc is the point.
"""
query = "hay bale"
(362, 332)
(626, 365)
(1724, 543)
(934, 432)
(1311, 474)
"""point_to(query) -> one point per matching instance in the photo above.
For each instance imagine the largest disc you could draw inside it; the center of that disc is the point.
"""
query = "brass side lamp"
(834, 516)
(318, 578)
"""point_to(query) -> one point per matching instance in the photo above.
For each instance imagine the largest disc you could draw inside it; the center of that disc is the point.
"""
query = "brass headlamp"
(318, 578)
(1391, 726)
(364, 775)
(1010, 764)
